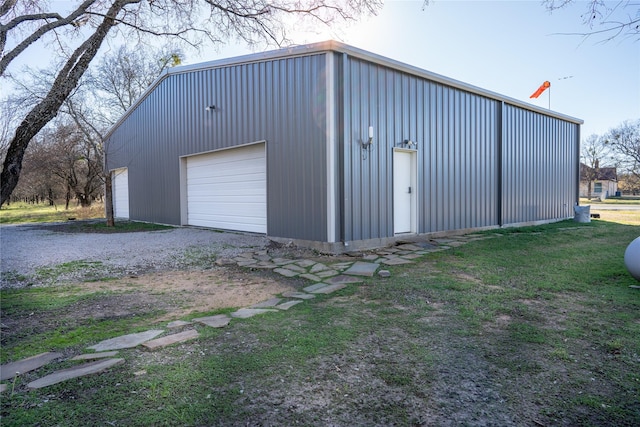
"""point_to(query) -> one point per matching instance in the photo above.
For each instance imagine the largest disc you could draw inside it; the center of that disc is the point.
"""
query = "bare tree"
(194, 22)
(624, 141)
(607, 19)
(629, 183)
(593, 151)
(109, 91)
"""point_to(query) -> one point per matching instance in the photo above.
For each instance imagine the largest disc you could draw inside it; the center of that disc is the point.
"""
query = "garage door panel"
(227, 189)
(231, 188)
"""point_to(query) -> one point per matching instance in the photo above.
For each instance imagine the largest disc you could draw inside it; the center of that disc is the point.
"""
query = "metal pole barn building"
(332, 147)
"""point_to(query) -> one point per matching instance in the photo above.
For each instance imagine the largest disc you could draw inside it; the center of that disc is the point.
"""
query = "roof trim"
(335, 46)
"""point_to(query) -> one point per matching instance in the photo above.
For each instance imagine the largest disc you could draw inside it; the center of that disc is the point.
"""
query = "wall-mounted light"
(412, 145)
(210, 107)
(367, 144)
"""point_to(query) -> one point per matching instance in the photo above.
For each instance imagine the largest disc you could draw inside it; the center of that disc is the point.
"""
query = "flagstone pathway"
(326, 277)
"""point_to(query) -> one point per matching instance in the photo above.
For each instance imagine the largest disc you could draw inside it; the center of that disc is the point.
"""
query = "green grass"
(22, 213)
(537, 325)
(626, 200)
(19, 213)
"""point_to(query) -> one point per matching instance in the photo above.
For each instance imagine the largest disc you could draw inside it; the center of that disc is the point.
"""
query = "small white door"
(404, 192)
(120, 186)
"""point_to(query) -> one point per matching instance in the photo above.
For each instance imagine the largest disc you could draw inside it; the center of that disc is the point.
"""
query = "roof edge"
(336, 46)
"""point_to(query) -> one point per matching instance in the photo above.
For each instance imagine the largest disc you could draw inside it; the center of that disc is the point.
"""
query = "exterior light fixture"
(367, 144)
(411, 144)
(210, 107)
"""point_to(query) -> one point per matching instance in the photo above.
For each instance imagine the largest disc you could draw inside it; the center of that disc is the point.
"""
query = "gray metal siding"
(457, 136)
(482, 160)
(281, 101)
(539, 166)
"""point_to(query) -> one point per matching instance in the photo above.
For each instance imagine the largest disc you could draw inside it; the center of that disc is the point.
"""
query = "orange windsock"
(541, 89)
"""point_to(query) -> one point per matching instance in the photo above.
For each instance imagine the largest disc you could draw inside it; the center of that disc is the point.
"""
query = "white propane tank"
(632, 258)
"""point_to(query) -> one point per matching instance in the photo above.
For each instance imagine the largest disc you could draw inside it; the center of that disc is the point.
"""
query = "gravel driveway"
(25, 250)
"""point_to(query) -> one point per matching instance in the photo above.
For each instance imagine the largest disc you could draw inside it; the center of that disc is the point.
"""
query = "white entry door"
(404, 192)
(120, 195)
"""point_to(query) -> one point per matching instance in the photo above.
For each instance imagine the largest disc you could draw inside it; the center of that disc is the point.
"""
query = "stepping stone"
(246, 254)
(396, 261)
(318, 267)
(409, 247)
(362, 269)
(296, 268)
(126, 341)
(247, 263)
(326, 273)
(286, 272)
(90, 356)
(411, 256)
(425, 245)
(217, 321)
(299, 295)
(287, 305)
(282, 261)
(305, 263)
(441, 241)
(343, 280)
(171, 339)
(261, 257)
(384, 273)
(245, 313)
(178, 324)
(26, 365)
(370, 257)
(268, 303)
(329, 289)
(3, 388)
(264, 264)
(224, 261)
(315, 287)
(75, 372)
(311, 277)
(341, 265)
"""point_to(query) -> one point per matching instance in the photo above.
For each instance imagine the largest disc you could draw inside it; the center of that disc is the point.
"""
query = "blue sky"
(509, 47)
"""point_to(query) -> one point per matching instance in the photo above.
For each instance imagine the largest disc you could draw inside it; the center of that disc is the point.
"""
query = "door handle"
(409, 190)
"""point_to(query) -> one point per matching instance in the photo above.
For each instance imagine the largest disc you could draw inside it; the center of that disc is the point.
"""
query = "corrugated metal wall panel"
(457, 151)
(275, 100)
(472, 149)
(539, 166)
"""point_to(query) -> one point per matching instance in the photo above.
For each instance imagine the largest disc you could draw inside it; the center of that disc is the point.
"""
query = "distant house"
(604, 181)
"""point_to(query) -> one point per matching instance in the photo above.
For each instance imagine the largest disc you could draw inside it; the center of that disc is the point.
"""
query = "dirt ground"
(172, 295)
(183, 292)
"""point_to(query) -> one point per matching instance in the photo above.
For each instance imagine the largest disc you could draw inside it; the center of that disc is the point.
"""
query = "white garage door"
(228, 189)
(120, 185)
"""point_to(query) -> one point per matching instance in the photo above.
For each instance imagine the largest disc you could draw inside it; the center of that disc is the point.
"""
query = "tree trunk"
(67, 197)
(108, 199)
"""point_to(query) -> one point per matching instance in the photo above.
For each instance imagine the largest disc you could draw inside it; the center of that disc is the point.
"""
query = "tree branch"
(10, 56)
(42, 113)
